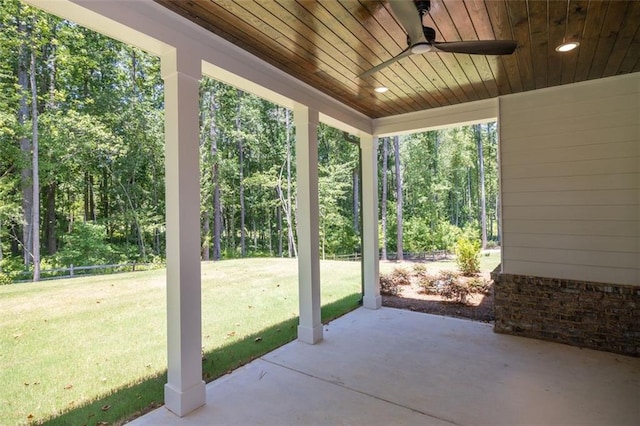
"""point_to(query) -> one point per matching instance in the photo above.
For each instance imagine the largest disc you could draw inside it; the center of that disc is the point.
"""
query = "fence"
(433, 256)
(74, 271)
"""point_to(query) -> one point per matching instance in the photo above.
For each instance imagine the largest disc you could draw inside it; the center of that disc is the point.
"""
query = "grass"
(93, 349)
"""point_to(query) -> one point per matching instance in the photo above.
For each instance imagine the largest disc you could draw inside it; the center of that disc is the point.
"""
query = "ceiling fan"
(421, 39)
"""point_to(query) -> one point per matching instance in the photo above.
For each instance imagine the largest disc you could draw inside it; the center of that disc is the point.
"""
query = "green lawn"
(67, 345)
(93, 349)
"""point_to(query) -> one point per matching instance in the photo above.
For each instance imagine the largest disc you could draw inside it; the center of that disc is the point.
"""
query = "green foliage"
(86, 245)
(468, 256)
(5, 279)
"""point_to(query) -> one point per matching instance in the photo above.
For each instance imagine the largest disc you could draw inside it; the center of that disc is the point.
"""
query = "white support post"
(370, 255)
(185, 390)
(306, 123)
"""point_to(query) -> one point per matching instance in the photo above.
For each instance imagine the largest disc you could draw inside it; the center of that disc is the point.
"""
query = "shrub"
(428, 283)
(434, 284)
(401, 276)
(419, 271)
(5, 279)
(86, 245)
(480, 285)
(467, 256)
(388, 286)
(454, 290)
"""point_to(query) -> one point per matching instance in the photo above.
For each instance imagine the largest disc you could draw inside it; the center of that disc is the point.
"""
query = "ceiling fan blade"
(405, 52)
(409, 18)
(478, 47)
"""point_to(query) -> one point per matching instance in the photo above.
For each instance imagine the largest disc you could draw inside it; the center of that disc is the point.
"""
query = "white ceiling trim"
(437, 118)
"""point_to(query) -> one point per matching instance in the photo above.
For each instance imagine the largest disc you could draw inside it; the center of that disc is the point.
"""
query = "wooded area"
(82, 169)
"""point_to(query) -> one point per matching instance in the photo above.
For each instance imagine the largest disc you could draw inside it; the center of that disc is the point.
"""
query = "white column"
(306, 123)
(184, 391)
(370, 255)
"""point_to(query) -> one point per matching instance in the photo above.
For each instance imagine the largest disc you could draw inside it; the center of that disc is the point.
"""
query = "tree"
(385, 158)
(396, 148)
(477, 130)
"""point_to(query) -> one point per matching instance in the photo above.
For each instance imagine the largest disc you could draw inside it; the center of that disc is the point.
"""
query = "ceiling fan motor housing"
(429, 34)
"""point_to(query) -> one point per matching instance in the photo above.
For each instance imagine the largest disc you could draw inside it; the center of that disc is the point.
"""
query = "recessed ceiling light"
(381, 89)
(565, 47)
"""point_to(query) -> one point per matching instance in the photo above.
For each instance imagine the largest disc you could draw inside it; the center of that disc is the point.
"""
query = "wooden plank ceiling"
(328, 43)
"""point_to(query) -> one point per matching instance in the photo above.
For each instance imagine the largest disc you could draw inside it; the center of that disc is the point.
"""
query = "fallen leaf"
(17, 336)
(69, 386)
(30, 416)
(105, 407)
(231, 334)
(258, 339)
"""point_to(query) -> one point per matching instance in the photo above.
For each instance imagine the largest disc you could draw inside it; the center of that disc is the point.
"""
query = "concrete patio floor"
(395, 367)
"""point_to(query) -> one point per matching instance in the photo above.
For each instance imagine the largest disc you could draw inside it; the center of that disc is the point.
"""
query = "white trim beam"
(437, 118)
(306, 124)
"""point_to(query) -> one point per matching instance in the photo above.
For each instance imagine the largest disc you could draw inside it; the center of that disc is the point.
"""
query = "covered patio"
(391, 366)
(570, 207)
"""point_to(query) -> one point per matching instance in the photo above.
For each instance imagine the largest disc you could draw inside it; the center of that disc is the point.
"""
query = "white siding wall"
(570, 178)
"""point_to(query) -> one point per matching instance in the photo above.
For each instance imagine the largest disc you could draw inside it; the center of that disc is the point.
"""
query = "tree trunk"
(26, 183)
(241, 176)
(483, 202)
(50, 219)
(292, 243)
(1, 252)
(279, 222)
(385, 160)
(215, 177)
(205, 234)
(356, 201)
(396, 148)
(35, 212)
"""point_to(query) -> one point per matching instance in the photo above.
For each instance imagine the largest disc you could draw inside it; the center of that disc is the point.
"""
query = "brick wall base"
(586, 314)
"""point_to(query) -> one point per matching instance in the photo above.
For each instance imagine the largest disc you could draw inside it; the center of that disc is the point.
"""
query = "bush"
(401, 276)
(454, 290)
(480, 285)
(428, 283)
(5, 279)
(467, 256)
(388, 286)
(419, 270)
(86, 245)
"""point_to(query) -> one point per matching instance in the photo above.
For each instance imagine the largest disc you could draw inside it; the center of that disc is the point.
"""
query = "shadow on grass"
(131, 401)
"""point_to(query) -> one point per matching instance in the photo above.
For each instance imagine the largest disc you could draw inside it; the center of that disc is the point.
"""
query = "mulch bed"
(479, 308)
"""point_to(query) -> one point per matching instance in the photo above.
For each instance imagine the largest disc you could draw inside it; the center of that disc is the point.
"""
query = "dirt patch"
(479, 307)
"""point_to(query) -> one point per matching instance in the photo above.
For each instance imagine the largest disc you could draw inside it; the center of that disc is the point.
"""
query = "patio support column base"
(310, 335)
(183, 402)
(372, 302)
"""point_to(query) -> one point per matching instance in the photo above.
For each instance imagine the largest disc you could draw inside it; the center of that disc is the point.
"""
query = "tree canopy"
(88, 112)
